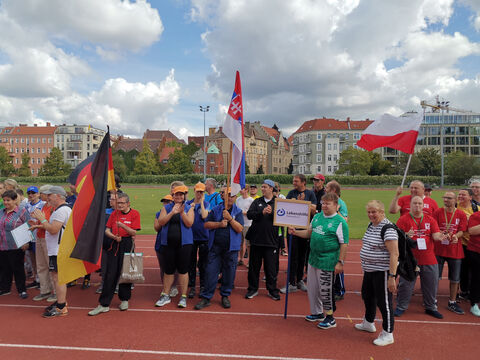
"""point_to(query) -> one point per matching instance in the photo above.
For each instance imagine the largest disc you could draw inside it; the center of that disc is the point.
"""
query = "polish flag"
(398, 133)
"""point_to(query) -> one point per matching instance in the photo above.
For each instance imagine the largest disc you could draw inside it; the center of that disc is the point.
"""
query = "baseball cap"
(199, 187)
(269, 182)
(56, 190)
(180, 189)
(319, 177)
(167, 197)
(253, 185)
(428, 187)
(32, 189)
(44, 188)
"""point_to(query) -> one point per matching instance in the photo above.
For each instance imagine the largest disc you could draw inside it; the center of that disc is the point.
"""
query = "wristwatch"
(341, 262)
(391, 275)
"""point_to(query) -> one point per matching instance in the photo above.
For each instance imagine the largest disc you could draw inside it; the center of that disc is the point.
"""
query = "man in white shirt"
(244, 203)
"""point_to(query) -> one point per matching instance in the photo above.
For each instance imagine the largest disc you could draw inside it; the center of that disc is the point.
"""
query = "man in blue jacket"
(225, 222)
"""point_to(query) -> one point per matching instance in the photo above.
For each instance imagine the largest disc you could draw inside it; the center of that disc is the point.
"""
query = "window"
(33, 172)
(16, 150)
(38, 150)
(334, 157)
(319, 157)
(319, 168)
(16, 160)
(32, 150)
(319, 136)
(49, 140)
(44, 140)
(39, 160)
(22, 140)
(212, 168)
(319, 146)
(43, 161)
(43, 150)
(329, 146)
(16, 140)
(356, 136)
(346, 136)
(329, 169)
(23, 150)
(329, 157)
(334, 146)
(32, 140)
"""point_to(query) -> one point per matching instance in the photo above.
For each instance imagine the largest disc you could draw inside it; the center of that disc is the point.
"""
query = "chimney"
(348, 123)
(48, 124)
(35, 125)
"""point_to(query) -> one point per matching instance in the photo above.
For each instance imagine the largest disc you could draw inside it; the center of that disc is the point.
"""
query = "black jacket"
(262, 232)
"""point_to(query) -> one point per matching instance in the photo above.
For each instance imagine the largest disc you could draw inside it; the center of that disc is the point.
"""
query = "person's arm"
(394, 207)
(301, 233)
(341, 258)
(212, 225)
(188, 217)
(474, 230)
(392, 247)
(234, 223)
(438, 236)
(254, 212)
(164, 217)
(203, 211)
(156, 224)
(111, 235)
(128, 229)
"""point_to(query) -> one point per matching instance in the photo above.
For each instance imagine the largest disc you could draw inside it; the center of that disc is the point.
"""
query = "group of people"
(215, 232)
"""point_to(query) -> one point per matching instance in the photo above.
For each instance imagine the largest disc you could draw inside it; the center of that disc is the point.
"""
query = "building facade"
(35, 140)
(317, 144)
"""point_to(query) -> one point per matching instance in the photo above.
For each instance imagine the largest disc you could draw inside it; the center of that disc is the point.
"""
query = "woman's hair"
(330, 197)
(375, 204)
(11, 182)
(11, 194)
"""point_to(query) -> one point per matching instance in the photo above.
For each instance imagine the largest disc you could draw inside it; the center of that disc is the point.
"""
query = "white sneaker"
(291, 289)
(475, 310)
(164, 300)
(98, 310)
(383, 339)
(52, 298)
(173, 292)
(366, 326)
(123, 306)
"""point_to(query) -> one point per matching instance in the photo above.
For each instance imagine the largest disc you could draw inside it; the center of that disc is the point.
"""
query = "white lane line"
(152, 352)
(184, 311)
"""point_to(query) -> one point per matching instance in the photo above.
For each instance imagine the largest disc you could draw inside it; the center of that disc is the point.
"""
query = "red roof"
(29, 130)
(159, 135)
(333, 124)
(126, 144)
(198, 140)
(271, 132)
(166, 151)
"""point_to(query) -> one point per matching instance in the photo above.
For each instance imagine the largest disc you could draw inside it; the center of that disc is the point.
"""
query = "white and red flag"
(233, 129)
(398, 133)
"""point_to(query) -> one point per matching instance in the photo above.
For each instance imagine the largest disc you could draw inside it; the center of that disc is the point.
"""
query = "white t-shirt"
(61, 215)
(244, 205)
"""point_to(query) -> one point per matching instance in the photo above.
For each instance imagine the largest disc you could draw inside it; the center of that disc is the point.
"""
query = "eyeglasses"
(121, 202)
(448, 198)
(31, 193)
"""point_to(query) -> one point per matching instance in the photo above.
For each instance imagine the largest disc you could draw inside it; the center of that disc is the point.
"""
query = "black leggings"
(176, 258)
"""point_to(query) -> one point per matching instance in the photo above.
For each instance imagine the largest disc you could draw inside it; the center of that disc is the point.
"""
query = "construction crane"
(442, 105)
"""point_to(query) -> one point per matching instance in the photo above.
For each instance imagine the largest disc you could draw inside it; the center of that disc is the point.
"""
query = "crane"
(442, 105)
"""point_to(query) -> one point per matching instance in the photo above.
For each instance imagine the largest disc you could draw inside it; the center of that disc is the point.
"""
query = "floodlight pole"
(204, 110)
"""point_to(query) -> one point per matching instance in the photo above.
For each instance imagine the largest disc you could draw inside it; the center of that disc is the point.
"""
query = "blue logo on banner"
(280, 212)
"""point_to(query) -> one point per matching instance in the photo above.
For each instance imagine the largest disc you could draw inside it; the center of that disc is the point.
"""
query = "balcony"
(75, 147)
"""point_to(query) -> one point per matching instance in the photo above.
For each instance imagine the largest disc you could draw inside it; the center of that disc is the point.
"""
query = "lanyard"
(418, 224)
(446, 219)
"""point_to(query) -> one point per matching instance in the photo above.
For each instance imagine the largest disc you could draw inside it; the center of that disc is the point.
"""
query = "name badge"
(445, 242)
(421, 244)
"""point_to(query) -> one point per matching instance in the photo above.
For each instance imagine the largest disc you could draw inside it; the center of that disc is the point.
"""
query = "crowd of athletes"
(211, 232)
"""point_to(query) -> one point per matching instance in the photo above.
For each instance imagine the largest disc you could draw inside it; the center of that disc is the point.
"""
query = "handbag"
(132, 268)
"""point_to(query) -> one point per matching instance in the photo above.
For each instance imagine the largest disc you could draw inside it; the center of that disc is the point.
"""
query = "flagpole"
(229, 165)
(406, 170)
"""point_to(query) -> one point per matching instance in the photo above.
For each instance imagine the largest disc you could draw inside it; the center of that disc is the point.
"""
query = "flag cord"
(406, 170)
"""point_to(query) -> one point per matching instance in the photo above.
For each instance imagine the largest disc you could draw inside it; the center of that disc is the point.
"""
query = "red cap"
(319, 177)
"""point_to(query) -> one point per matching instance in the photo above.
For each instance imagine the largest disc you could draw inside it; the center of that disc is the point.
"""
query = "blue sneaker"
(327, 323)
(313, 318)
(398, 312)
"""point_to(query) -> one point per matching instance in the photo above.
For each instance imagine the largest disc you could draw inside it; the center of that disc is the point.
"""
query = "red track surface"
(251, 329)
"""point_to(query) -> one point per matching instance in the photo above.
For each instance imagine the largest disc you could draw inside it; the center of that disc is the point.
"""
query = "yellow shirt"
(468, 211)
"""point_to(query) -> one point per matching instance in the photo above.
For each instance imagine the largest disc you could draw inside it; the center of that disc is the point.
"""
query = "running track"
(251, 329)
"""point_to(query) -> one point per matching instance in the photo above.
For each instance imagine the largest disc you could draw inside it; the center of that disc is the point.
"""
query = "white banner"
(293, 213)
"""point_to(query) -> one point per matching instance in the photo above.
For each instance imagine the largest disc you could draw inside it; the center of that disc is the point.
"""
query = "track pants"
(375, 293)
(429, 283)
(269, 255)
(320, 291)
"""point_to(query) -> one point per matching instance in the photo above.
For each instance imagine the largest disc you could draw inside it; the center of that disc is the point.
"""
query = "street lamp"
(204, 109)
(444, 106)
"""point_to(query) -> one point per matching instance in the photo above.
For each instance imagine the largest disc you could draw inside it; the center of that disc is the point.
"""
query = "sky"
(137, 65)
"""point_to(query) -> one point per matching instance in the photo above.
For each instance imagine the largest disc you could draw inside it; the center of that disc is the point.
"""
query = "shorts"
(244, 234)
(454, 266)
(52, 263)
(176, 258)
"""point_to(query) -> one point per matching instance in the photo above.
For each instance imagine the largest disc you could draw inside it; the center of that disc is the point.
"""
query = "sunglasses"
(31, 192)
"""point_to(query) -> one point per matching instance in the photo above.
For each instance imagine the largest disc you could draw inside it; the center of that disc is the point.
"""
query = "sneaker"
(454, 307)
(5, 292)
(173, 291)
(366, 326)
(33, 284)
(475, 310)
(291, 289)
(315, 317)
(202, 304)
(398, 312)
(164, 300)
(339, 297)
(246, 254)
(383, 339)
(99, 290)
(55, 311)
(23, 295)
(41, 297)
(86, 284)
(284, 252)
(116, 289)
(240, 262)
(251, 294)
(52, 298)
(183, 302)
(275, 296)
(191, 293)
(327, 323)
(434, 313)
(226, 302)
(301, 285)
(123, 305)
(98, 310)
(464, 295)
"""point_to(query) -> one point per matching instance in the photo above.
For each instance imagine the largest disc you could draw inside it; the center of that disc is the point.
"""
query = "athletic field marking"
(152, 352)
(157, 310)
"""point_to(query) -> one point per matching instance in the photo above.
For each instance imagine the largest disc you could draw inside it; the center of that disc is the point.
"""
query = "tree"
(247, 168)
(354, 162)
(25, 168)
(190, 149)
(260, 169)
(290, 168)
(54, 164)
(119, 165)
(6, 164)
(430, 160)
(128, 158)
(379, 166)
(415, 167)
(145, 163)
(179, 162)
(460, 167)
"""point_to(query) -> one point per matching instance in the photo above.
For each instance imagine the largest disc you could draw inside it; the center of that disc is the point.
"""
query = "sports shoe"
(251, 294)
(123, 305)
(52, 298)
(86, 284)
(398, 312)
(434, 313)
(339, 297)
(23, 295)
(454, 307)
(99, 290)
(164, 300)
(202, 304)
(366, 326)
(191, 293)
(301, 285)
(55, 311)
(475, 310)
(246, 254)
(98, 310)
(5, 292)
(240, 262)
(173, 291)
(275, 296)
(284, 252)
(226, 302)
(315, 317)
(327, 323)
(33, 284)
(383, 339)
(464, 295)
(291, 289)
(183, 302)
(41, 297)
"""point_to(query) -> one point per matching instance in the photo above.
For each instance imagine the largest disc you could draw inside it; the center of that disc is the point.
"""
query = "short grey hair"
(211, 181)
(123, 196)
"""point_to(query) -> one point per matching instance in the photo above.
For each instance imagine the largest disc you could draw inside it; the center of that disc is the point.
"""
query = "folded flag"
(398, 133)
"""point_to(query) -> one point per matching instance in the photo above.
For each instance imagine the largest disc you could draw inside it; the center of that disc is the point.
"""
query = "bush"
(39, 179)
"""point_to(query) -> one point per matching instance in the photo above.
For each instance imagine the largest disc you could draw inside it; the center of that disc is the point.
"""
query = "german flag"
(81, 243)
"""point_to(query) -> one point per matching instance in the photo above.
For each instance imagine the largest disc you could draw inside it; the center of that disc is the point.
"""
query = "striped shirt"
(374, 254)
(8, 222)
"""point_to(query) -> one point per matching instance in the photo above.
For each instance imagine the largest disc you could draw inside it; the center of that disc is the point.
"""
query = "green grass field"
(147, 201)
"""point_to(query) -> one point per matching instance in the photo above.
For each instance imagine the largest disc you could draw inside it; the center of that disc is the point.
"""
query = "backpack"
(406, 261)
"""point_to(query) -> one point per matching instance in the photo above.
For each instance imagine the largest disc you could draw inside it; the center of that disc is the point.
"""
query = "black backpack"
(406, 261)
